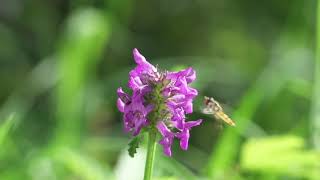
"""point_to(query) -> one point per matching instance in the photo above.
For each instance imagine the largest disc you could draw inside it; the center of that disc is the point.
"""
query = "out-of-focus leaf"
(165, 178)
(301, 87)
(131, 168)
(315, 108)
(87, 32)
(105, 143)
(41, 167)
(172, 166)
(279, 155)
(82, 165)
(226, 150)
(5, 128)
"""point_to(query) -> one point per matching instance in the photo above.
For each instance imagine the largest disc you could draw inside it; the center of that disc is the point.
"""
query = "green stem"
(150, 155)
(316, 97)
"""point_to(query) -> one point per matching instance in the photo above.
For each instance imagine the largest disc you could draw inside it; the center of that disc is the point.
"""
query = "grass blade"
(6, 127)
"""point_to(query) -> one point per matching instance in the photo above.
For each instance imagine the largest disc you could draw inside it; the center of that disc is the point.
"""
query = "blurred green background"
(62, 61)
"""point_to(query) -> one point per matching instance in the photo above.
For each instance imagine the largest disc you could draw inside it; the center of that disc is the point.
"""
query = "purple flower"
(178, 118)
(141, 76)
(135, 113)
(143, 66)
(181, 94)
(184, 134)
(167, 139)
(188, 73)
(154, 90)
(124, 99)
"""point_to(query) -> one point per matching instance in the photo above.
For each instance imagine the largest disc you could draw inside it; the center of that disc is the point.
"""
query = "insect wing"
(207, 110)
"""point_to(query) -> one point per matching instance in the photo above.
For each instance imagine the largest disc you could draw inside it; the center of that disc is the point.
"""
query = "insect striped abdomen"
(225, 118)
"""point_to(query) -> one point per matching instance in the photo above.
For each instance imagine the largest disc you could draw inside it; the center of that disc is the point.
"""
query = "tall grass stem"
(316, 90)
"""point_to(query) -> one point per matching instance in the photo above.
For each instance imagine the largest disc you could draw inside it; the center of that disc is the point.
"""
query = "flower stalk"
(152, 144)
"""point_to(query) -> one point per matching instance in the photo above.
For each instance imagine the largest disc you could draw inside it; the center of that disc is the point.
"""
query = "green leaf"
(134, 145)
(81, 45)
(5, 128)
(82, 164)
(280, 155)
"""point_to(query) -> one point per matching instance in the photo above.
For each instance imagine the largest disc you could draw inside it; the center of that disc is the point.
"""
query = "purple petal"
(166, 146)
(191, 124)
(135, 113)
(138, 126)
(178, 97)
(167, 139)
(163, 129)
(125, 98)
(185, 134)
(185, 89)
(188, 107)
(120, 105)
(141, 60)
(184, 138)
(143, 64)
(191, 92)
(190, 75)
(178, 118)
(135, 83)
(127, 121)
(178, 114)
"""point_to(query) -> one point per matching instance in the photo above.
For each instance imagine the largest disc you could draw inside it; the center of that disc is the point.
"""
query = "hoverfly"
(213, 107)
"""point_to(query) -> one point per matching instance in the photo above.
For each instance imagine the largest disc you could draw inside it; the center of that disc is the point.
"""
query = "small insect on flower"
(213, 107)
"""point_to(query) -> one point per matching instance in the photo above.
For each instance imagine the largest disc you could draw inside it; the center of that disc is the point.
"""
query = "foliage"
(134, 145)
(280, 155)
(62, 61)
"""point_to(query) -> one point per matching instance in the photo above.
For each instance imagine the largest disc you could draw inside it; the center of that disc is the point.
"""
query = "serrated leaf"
(134, 145)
